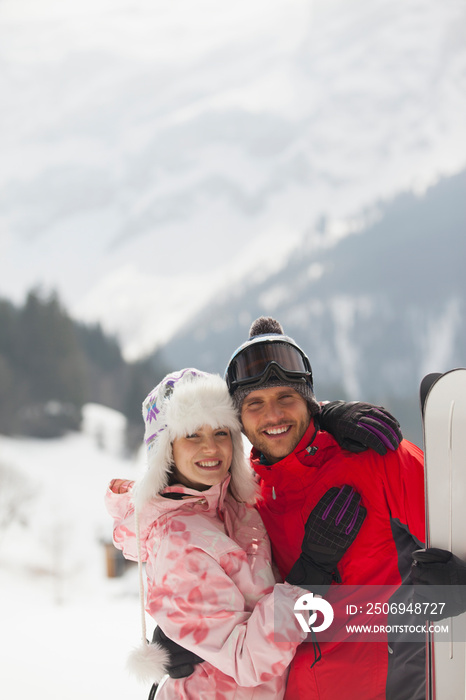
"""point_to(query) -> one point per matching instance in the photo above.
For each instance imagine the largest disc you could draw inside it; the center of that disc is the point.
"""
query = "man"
(298, 460)
(270, 380)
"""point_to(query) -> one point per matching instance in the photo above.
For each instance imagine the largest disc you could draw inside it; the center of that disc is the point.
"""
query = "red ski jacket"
(392, 491)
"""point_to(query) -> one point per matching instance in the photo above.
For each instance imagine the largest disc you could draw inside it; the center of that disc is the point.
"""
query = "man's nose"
(273, 411)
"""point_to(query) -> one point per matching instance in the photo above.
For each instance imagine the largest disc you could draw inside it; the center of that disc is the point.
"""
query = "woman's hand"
(120, 485)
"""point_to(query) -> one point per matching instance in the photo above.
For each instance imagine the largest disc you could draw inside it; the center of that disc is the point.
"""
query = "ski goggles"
(254, 363)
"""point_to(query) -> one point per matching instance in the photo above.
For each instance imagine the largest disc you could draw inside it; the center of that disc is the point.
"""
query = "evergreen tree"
(49, 352)
(50, 366)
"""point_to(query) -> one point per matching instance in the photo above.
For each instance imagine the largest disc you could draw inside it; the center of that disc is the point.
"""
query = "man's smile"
(279, 430)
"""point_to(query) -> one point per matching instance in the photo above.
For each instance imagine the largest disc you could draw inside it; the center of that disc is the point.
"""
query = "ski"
(443, 407)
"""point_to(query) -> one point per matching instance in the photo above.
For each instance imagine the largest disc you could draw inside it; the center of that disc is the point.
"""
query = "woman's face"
(203, 458)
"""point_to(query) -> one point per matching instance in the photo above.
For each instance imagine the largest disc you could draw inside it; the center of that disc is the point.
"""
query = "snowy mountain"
(153, 154)
(377, 301)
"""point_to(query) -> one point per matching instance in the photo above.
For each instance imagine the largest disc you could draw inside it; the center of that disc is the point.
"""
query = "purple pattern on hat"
(152, 437)
(152, 412)
(162, 394)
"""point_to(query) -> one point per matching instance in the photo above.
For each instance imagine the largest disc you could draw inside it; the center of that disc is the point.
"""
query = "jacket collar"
(210, 500)
(309, 452)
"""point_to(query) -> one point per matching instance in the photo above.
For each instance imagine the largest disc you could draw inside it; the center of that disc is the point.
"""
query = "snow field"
(66, 627)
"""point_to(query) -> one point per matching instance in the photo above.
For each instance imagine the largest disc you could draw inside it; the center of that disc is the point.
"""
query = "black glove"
(330, 529)
(357, 426)
(182, 661)
(437, 567)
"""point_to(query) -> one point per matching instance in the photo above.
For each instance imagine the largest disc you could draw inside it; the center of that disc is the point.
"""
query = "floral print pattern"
(211, 588)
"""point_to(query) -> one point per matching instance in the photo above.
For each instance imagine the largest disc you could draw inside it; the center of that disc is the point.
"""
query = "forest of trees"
(50, 366)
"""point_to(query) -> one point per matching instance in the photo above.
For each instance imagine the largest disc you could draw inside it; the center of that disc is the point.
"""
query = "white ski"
(444, 426)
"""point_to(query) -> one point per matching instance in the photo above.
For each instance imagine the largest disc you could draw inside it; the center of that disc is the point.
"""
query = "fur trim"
(178, 406)
(149, 663)
(201, 401)
(159, 464)
(243, 482)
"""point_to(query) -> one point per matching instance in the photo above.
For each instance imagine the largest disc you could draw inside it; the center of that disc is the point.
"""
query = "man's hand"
(330, 529)
(434, 567)
(357, 426)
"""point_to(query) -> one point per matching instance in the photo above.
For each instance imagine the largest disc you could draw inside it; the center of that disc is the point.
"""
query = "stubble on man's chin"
(273, 459)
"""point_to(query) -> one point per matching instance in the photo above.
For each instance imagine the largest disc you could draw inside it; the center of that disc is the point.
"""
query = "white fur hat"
(179, 405)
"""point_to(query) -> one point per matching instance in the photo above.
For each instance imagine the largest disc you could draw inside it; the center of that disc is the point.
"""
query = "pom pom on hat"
(265, 325)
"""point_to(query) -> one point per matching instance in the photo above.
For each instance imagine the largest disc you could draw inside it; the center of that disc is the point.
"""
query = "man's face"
(275, 420)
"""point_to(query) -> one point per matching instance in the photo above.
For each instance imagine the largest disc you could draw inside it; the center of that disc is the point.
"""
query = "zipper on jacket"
(274, 495)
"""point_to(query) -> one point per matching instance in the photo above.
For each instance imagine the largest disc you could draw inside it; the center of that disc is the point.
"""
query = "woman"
(210, 584)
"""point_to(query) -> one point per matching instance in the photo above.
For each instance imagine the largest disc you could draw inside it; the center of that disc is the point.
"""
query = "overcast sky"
(155, 151)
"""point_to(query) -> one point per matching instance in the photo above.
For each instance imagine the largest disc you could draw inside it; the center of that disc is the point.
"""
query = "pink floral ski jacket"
(211, 589)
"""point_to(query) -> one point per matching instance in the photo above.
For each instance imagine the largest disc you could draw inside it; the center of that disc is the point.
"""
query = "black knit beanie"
(266, 325)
